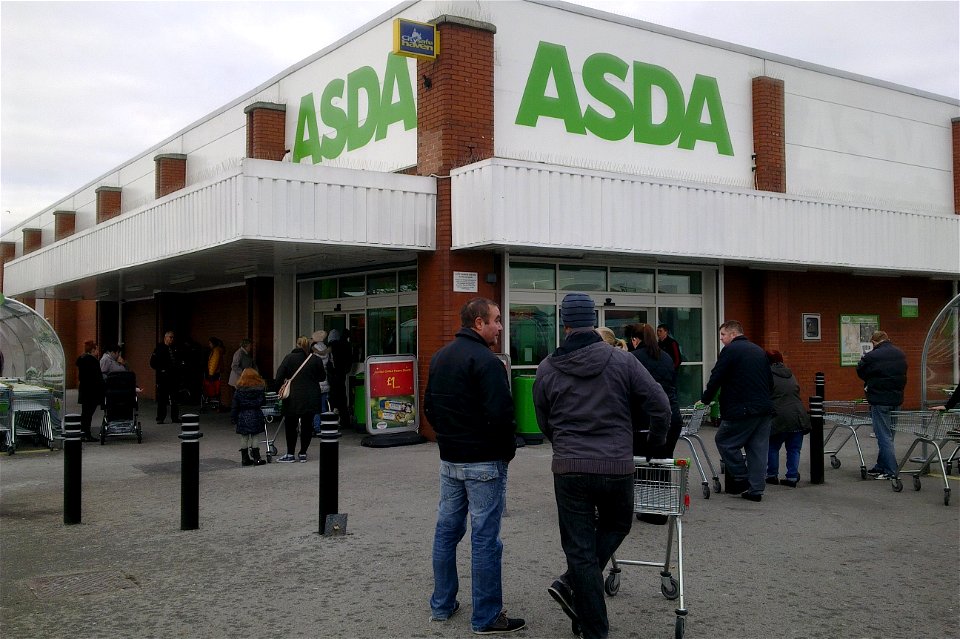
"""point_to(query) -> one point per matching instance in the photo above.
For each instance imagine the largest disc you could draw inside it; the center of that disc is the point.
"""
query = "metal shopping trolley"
(929, 427)
(271, 411)
(659, 488)
(692, 420)
(846, 415)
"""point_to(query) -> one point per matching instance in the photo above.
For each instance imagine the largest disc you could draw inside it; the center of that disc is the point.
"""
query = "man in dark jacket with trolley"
(583, 396)
(746, 411)
(884, 374)
(167, 362)
(468, 402)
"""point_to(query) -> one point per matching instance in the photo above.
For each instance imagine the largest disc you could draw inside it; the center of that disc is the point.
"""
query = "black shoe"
(751, 496)
(773, 481)
(563, 595)
(503, 623)
(736, 486)
(650, 518)
(90, 438)
(159, 421)
(791, 483)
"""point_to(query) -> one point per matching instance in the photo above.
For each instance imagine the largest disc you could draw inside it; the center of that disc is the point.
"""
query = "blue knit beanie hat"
(577, 311)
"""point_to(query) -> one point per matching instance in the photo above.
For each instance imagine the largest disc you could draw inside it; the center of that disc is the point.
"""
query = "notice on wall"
(855, 333)
(464, 282)
(391, 393)
(909, 307)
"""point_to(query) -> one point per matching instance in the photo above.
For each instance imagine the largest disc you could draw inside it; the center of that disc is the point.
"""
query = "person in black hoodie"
(90, 387)
(746, 411)
(884, 374)
(789, 425)
(469, 405)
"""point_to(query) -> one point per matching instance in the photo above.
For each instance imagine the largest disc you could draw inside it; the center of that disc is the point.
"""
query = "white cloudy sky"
(85, 86)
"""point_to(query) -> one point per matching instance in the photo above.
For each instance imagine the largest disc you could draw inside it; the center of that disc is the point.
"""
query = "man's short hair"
(879, 337)
(732, 326)
(664, 327)
(477, 307)
(245, 342)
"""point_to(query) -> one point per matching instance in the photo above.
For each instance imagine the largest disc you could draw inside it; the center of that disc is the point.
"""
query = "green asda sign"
(631, 113)
(388, 102)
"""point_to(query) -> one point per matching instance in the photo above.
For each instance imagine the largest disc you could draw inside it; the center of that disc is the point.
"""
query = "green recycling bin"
(523, 409)
(359, 402)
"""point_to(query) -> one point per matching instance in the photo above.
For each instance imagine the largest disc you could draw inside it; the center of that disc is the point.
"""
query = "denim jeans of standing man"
(479, 489)
(882, 428)
(750, 435)
(595, 513)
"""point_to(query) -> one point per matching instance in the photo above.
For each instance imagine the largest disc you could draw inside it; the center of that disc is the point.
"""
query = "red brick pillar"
(768, 135)
(170, 172)
(8, 251)
(955, 128)
(32, 240)
(65, 224)
(266, 130)
(108, 203)
(454, 128)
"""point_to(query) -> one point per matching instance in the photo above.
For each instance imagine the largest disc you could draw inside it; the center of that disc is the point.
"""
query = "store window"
(407, 281)
(325, 289)
(382, 331)
(408, 330)
(381, 283)
(533, 333)
(582, 278)
(533, 276)
(682, 282)
(624, 280)
(686, 326)
(353, 286)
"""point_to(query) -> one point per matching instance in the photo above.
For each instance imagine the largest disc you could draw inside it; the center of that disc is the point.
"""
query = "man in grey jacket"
(583, 395)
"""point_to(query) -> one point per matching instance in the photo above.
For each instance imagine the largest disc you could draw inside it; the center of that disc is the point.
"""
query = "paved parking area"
(849, 558)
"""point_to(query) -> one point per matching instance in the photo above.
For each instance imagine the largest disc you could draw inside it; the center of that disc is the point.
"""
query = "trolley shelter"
(391, 393)
(31, 376)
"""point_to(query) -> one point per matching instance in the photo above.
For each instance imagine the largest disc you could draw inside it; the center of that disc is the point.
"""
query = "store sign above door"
(415, 39)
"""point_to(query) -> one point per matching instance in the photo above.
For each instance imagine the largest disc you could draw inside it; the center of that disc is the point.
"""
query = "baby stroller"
(120, 407)
(210, 393)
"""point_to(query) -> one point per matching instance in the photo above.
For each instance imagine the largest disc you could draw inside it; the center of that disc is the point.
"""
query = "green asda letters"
(392, 102)
(683, 120)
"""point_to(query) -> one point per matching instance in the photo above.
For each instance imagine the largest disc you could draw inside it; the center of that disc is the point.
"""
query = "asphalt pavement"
(848, 558)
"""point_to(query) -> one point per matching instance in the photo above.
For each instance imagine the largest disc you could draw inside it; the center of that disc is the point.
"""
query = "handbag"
(284, 391)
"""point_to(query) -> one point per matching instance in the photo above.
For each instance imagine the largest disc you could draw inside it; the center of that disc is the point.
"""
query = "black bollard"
(816, 440)
(190, 472)
(72, 468)
(332, 523)
(819, 384)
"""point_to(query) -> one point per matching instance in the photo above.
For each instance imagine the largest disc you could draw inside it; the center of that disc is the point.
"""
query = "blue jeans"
(595, 513)
(479, 488)
(794, 442)
(886, 458)
(751, 435)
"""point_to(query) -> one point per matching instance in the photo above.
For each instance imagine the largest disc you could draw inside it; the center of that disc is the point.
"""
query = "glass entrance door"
(615, 318)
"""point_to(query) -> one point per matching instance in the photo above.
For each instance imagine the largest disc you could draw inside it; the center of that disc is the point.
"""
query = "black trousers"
(86, 416)
(294, 424)
(167, 394)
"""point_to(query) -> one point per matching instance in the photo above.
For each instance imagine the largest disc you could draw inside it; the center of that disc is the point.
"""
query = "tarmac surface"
(848, 558)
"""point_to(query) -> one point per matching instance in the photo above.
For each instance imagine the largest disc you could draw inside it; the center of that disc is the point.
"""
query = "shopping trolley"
(692, 419)
(271, 411)
(659, 488)
(847, 415)
(929, 427)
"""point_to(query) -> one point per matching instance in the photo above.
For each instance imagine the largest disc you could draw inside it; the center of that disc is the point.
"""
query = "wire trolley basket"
(845, 416)
(692, 420)
(659, 490)
(936, 428)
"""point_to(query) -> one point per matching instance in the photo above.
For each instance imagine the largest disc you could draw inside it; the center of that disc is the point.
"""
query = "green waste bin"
(523, 409)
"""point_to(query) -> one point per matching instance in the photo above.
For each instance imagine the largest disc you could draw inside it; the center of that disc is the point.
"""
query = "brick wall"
(454, 128)
(266, 130)
(768, 135)
(108, 203)
(771, 304)
(65, 224)
(955, 133)
(170, 173)
(32, 239)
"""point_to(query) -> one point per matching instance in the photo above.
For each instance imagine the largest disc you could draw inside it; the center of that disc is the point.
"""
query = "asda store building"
(546, 148)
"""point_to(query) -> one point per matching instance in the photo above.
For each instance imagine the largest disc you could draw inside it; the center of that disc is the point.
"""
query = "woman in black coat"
(660, 366)
(789, 424)
(90, 387)
(304, 400)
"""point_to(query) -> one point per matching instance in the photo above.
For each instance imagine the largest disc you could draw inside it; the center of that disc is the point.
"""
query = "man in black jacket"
(884, 374)
(166, 361)
(468, 402)
(746, 411)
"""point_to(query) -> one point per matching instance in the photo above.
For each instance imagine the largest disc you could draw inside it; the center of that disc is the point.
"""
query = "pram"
(210, 393)
(120, 407)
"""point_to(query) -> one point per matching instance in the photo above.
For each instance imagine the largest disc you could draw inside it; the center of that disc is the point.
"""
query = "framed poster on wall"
(811, 327)
(855, 332)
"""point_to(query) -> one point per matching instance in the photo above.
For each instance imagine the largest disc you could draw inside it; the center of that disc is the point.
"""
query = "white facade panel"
(500, 203)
